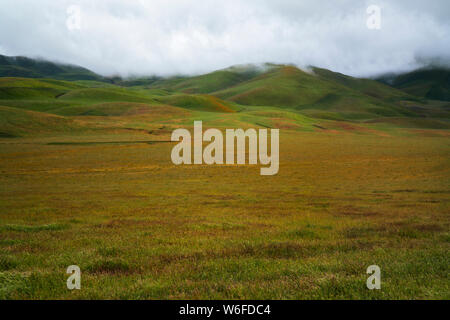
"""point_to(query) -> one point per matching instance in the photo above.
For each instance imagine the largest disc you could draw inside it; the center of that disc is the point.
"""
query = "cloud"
(167, 37)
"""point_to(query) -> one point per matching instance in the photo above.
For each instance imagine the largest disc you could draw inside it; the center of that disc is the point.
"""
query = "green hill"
(366, 86)
(34, 68)
(318, 93)
(210, 82)
(284, 86)
(430, 83)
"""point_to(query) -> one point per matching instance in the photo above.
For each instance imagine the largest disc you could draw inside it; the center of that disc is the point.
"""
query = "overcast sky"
(165, 37)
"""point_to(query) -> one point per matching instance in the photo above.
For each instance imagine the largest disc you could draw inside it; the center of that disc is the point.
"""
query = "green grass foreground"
(142, 228)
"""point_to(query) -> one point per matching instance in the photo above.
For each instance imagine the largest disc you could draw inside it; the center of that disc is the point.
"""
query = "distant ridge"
(34, 68)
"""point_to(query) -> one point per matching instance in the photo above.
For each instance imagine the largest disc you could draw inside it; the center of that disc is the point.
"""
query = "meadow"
(86, 179)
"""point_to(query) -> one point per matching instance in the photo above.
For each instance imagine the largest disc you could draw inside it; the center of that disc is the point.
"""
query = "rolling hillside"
(317, 93)
(281, 96)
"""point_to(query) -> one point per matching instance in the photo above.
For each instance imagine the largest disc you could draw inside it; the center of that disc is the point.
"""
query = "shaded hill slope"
(34, 68)
(429, 83)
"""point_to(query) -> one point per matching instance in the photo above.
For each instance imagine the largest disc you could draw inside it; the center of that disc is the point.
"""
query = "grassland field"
(86, 179)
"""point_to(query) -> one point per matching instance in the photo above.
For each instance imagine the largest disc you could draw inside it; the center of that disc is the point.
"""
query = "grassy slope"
(284, 86)
(429, 83)
(18, 122)
(210, 82)
(104, 94)
(366, 86)
(200, 102)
